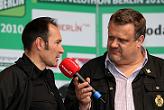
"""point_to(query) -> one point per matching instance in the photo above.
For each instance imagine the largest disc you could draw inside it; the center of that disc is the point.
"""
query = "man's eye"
(123, 41)
(111, 38)
(57, 42)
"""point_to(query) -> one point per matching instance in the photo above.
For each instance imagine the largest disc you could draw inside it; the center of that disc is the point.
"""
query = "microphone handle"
(96, 94)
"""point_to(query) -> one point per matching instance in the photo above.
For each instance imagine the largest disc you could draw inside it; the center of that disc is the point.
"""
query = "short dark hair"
(126, 16)
(36, 28)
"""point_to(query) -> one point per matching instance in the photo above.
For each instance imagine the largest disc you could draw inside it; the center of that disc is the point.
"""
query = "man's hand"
(83, 93)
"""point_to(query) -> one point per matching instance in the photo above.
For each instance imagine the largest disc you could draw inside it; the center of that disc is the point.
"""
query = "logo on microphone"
(69, 67)
(66, 70)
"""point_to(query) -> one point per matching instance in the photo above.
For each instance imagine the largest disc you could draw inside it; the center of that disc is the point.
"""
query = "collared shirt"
(124, 93)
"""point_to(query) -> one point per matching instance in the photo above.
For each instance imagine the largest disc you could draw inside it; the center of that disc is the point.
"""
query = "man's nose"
(61, 50)
(114, 43)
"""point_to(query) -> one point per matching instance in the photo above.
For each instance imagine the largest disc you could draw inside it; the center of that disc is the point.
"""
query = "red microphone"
(70, 68)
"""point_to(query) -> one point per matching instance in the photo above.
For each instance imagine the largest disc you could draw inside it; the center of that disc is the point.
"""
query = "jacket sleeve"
(71, 102)
(94, 69)
(8, 86)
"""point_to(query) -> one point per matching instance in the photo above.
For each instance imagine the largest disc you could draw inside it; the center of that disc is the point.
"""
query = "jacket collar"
(100, 70)
(28, 67)
(149, 68)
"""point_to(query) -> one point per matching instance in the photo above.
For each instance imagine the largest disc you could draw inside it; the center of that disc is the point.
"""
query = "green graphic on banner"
(12, 7)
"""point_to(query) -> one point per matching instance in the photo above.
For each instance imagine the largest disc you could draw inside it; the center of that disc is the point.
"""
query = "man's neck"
(128, 69)
(35, 59)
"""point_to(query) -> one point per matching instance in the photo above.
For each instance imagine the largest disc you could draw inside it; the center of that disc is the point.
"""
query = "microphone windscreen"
(69, 67)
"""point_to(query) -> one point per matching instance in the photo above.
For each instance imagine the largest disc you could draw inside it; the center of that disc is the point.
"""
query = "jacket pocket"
(154, 96)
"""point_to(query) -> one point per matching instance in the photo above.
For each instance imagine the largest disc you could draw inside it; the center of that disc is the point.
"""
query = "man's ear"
(140, 40)
(39, 43)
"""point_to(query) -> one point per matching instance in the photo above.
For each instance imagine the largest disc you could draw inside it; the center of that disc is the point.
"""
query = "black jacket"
(148, 86)
(16, 86)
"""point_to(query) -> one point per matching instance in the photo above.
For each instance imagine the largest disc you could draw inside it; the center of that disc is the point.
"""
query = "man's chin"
(115, 58)
(56, 65)
(53, 64)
